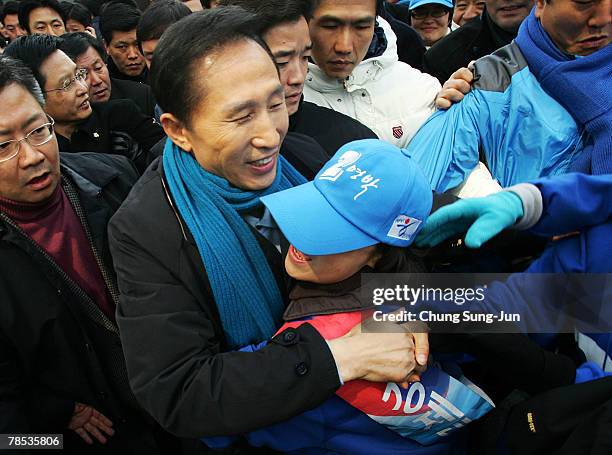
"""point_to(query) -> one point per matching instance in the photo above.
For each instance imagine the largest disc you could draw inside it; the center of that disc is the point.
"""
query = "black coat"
(141, 94)
(410, 47)
(475, 39)
(329, 128)
(114, 72)
(116, 127)
(56, 346)
(178, 361)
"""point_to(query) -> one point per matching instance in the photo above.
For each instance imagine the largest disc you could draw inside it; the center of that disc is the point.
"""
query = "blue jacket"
(507, 120)
(571, 203)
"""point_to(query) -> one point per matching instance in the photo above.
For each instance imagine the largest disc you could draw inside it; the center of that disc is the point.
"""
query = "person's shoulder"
(326, 116)
(98, 168)
(494, 72)
(404, 78)
(126, 87)
(141, 207)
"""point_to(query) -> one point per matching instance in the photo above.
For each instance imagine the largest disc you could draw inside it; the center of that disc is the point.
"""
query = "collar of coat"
(310, 299)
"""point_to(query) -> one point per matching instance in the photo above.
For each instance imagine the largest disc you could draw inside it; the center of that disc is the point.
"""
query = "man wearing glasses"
(61, 362)
(116, 126)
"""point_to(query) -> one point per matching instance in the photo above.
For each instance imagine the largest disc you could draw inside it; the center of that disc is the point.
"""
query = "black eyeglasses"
(422, 14)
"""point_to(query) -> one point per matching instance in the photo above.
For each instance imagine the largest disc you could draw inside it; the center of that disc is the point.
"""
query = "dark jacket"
(56, 346)
(178, 361)
(116, 127)
(475, 39)
(410, 47)
(329, 128)
(141, 94)
(116, 74)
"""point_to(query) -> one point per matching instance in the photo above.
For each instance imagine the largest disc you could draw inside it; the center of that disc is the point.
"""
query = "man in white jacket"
(357, 71)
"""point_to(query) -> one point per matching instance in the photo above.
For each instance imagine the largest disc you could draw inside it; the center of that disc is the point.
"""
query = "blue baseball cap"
(412, 4)
(368, 193)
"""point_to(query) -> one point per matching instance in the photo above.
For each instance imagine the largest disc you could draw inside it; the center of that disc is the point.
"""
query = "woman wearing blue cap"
(432, 19)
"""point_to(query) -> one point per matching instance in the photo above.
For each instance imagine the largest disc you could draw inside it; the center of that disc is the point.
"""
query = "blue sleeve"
(447, 146)
(572, 202)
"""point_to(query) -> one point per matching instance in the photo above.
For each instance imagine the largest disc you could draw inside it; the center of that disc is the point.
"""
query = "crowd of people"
(191, 193)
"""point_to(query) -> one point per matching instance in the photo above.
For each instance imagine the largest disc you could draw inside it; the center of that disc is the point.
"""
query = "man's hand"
(455, 88)
(87, 422)
(384, 352)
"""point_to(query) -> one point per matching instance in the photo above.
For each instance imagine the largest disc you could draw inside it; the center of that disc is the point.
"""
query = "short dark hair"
(117, 17)
(27, 6)
(33, 50)
(380, 6)
(13, 71)
(176, 85)
(158, 17)
(92, 5)
(274, 12)
(8, 8)
(205, 4)
(77, 12)
(76, 44)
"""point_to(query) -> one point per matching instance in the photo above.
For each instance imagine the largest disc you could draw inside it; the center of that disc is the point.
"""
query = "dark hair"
(76, 44)
(117, 17)
(93, 6)
(33, 50)
(27, 6)
(158, 17)
(394, 259)
(13, 71)
(380, 6)
(205, 4)
(77, 12)
(8, 8)
(274, 12)
(175, 81)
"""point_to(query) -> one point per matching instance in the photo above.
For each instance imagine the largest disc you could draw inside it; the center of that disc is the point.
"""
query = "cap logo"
(398, 131)
(403, 227)
(346, 159)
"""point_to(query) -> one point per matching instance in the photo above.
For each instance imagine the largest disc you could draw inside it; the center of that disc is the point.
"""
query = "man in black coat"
(61, 361)
(87, 52)
(116, 127)
(182, 361)
(495, 28)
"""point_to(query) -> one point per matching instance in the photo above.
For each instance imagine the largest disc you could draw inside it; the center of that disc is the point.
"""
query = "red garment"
(56, 228)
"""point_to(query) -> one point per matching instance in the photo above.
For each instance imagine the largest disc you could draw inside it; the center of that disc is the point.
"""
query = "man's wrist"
(531, 198)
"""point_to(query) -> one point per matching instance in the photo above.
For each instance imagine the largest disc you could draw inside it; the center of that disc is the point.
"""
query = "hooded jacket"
(388, 96)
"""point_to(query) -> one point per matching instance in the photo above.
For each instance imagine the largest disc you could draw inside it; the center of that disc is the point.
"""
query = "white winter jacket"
(388, 96)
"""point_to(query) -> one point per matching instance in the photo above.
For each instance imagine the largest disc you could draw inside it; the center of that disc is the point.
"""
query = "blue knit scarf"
(245, 291)
(580, 85)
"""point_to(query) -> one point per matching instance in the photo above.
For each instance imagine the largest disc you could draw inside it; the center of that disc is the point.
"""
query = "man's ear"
(539, 8)
(176, 131)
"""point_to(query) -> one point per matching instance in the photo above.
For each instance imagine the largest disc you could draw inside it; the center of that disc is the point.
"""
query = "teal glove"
(483, 218)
